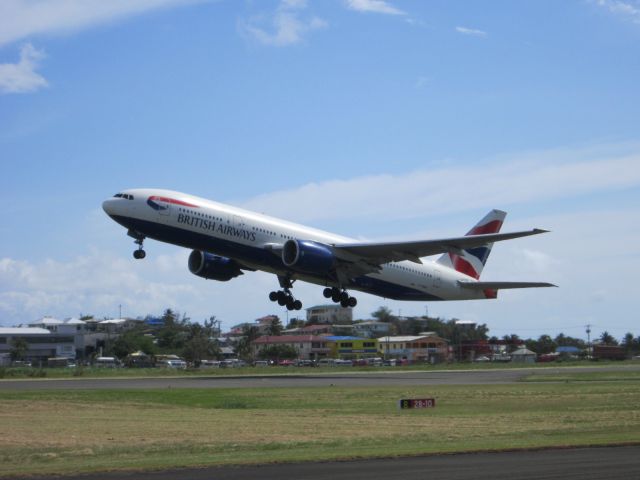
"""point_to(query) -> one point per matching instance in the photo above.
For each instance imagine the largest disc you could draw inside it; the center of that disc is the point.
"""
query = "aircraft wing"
(502, 285)
(380, 253)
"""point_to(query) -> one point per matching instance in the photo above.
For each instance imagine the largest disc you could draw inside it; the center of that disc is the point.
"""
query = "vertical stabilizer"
(472, 261)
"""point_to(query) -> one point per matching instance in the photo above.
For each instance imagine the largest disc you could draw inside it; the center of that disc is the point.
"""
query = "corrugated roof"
(400, 338)
(338, 338)
(75, 321)
(289, 339)
(24, 331)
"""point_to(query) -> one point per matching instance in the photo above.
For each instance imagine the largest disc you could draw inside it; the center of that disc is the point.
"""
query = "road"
(355, 379)
(566, 464)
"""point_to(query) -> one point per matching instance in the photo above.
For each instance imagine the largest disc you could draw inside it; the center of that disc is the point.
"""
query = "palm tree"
(607, 339)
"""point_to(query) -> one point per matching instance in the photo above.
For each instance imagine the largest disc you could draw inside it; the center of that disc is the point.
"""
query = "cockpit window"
(126, 196)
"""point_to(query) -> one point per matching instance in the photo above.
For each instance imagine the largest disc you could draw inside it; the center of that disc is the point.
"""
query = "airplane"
(227, 241)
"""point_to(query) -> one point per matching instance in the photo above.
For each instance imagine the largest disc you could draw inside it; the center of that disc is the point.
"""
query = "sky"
(373, 119)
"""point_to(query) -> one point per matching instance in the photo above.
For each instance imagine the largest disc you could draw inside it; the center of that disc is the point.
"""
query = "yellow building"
(350, 348)
(414, 349)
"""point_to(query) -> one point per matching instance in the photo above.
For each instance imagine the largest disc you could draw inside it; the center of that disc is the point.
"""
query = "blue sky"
(373, 119)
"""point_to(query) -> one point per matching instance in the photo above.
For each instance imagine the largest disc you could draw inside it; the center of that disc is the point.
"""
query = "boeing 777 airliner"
(226, 241)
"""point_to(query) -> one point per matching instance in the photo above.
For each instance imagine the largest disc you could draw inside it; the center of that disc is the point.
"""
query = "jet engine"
(308, 256)
(213, 267)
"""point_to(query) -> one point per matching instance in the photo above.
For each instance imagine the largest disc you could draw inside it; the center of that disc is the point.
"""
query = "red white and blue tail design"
(472, 261)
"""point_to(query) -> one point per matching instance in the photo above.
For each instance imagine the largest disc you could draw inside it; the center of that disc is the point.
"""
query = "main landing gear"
(284, 296)
(138, 254)
(340, 296)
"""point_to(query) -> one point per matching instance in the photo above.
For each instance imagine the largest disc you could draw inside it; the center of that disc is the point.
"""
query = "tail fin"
(472, 261)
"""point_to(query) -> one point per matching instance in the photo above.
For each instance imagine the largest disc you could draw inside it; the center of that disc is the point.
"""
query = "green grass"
(83, 431)
(92, 372)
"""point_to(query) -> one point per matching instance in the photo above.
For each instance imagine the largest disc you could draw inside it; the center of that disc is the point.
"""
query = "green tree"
(243, 347)
(132, 341)
(629, 343)
(199, 345)
(383, 314)
(275, 327)
(278, 352)
(18, 348)
(173, 332)
(608, 339)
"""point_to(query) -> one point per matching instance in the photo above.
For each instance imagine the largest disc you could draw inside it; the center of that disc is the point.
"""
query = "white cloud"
(24, 18)
(471, 31)
(285, 25)
(21, 77)
(627, 10)
(506, 181)
(374, 6)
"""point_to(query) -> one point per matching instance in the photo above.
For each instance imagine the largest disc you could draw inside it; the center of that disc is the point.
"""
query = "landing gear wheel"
(139, 254)
(297, 305)
(327, 292)
(273, 296)
(352, 302)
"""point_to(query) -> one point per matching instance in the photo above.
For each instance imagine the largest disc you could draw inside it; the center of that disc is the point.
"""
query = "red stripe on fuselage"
(491, 227)
(173, 201)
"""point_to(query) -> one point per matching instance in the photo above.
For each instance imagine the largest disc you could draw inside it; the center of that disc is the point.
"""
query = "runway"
(350, 379)
(602, 463)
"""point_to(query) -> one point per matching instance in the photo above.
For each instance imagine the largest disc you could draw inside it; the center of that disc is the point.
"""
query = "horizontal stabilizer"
(503, 285)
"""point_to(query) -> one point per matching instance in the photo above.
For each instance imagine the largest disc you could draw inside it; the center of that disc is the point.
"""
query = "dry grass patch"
(85, 431)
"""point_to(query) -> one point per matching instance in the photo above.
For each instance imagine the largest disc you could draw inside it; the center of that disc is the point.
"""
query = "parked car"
(106, 362)
(210, 364)
(343, 363)
(326, 362)
(305, 363)
(261, 363)
(178, 364)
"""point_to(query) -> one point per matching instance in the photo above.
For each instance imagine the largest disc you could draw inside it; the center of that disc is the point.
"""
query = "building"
(88, 336)
(415, 349)
(309, 330)
(332, 314)
(523, 355)
(308, 347)
(371, 329)
(352, 348)
(42, 344)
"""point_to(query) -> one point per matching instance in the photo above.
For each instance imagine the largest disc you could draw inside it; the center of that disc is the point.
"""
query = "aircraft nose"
(108, 206)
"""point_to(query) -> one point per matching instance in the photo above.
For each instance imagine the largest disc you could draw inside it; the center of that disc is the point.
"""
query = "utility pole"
(589, 340)
(120, 311)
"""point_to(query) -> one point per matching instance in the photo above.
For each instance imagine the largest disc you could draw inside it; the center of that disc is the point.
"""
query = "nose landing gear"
(139, 239)
(340, 296)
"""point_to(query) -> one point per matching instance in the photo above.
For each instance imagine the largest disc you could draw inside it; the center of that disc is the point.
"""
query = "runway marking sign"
(416, 403)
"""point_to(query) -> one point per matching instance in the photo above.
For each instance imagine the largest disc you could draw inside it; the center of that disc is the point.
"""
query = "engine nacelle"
(308, 256)
(213, 267)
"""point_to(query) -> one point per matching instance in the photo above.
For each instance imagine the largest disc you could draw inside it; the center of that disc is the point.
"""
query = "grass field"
(95, 372)
(78, 431)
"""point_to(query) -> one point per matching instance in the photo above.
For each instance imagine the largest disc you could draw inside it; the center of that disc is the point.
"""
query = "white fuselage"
(253, 240)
